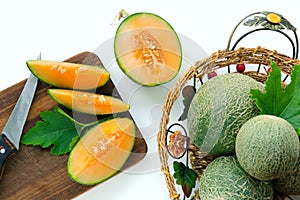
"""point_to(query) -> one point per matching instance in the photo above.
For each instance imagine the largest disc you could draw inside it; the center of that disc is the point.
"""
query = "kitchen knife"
(12, 131)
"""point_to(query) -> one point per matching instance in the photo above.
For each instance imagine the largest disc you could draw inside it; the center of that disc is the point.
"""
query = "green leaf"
(276, 101)
(287, 24)
(56, 129)
(250, 22)
(292, 100)
(298, 131)
(185, 177)
(256, 21)
(269, 101)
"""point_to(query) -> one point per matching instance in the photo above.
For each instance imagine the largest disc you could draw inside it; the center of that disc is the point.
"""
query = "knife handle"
(6, 150)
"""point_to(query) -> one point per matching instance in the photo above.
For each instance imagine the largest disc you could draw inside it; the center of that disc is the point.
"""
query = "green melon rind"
(218, 110)
(74, 109)
(224, 178)
(108, 175)
(51, 84)
(267, 147)
(289, 184)
(119, 62)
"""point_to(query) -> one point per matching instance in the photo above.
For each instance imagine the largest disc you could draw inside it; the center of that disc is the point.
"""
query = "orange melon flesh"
(102, 151)
(147, 49)
(68, 75)
(86, 102)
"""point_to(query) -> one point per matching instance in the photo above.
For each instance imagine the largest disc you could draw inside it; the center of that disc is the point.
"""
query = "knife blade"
(12, 131)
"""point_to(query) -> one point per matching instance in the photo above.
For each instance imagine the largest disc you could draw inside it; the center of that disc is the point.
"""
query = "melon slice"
(69, 75)
(102, 151)
(147, 49)
(89, 103)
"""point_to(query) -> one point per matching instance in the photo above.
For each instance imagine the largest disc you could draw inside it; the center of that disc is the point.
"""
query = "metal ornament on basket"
(221, 59)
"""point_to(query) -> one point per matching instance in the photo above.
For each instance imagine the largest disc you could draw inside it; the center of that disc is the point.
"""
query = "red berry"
(211, 74)
(240, 67)
(267, 70)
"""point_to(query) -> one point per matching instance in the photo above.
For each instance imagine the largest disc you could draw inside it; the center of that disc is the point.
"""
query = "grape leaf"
(57, 129)
(276, 101)
(185, 177)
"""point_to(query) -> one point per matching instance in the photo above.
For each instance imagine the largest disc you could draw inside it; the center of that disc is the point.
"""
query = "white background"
(60, 29)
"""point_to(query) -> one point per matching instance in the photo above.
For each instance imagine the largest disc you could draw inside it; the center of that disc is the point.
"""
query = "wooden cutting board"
(35, 174)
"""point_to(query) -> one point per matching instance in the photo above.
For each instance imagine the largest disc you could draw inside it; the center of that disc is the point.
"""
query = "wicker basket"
(222, 59)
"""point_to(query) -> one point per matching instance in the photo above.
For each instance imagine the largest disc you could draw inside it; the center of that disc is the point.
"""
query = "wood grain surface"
(33, 173)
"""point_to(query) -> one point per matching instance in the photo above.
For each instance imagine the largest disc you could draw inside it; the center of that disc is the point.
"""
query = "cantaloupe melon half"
(102, 151)
(147, 49)
(87, 102)
(69, 75)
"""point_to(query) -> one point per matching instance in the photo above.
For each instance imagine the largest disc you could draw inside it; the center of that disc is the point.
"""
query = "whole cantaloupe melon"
(267, 147)
(218, 110)
(289, 184)
(225, 179)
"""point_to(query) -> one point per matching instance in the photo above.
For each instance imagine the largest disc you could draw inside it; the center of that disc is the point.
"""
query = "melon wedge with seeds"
(86, 102)
(69, 75)
(147, 49)
(102, 151)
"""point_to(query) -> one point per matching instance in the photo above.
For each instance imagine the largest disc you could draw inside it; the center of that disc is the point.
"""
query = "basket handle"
(267, 21)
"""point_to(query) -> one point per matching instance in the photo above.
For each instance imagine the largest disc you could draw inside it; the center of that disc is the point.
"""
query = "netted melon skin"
(218, 110)
(289, 184)
(267, 147)
(225, 179)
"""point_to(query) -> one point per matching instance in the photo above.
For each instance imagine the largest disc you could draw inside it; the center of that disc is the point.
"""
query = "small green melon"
(267, 147)
(218, 110)
(289, 184)
(225, 179)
